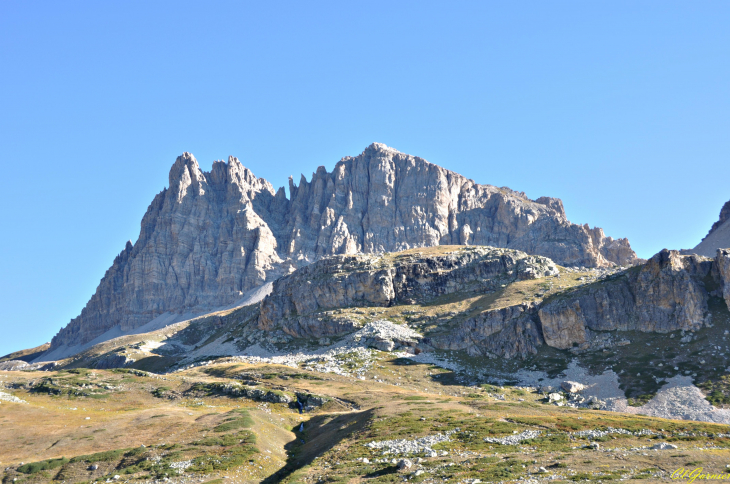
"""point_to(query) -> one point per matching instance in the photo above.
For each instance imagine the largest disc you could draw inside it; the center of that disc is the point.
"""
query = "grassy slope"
(26, 355)
(397, 399)
(409, 403)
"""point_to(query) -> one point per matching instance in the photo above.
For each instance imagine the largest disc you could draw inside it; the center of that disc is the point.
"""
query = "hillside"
(93, 425)
(441, 364)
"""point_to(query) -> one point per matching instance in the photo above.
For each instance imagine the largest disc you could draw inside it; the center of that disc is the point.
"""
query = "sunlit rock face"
(212, 236)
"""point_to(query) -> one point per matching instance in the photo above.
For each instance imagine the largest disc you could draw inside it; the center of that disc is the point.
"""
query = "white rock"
(664, 446)
(572, 386)
(554, 397)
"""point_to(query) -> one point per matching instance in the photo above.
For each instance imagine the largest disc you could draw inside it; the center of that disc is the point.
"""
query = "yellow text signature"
(697, 473)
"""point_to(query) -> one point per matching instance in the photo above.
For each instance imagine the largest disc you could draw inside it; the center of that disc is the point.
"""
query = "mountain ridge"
(718, 237)
(212, 236)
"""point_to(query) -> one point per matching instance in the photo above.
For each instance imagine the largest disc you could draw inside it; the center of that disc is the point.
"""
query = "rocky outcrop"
(212, 236)
(564, 325)
(110, 361)
(665, 294)
(297, 301)
(717, 238)
(722, 262)
(253, 393)
(505, 332)
(724, 217)
(202, 244)
(668, 293)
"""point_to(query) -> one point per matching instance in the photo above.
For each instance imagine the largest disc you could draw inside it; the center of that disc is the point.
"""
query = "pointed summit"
(380, 147)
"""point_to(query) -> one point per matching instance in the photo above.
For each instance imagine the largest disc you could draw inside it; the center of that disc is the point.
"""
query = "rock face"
(212, 236)
(722, 262)
(668, 293)
(718, 237)
(202, 244)
(724, 217)
(665, 294)
(505, 332)
(299, 302)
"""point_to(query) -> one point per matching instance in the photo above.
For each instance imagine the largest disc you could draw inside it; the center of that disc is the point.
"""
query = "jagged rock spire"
(214, 235)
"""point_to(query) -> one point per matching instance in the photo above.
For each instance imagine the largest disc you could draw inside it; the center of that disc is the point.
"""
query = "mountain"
(495, 314)
(212, 237)
(719, 235)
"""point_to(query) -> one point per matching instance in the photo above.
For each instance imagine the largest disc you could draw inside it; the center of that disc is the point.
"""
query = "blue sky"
(622, 109)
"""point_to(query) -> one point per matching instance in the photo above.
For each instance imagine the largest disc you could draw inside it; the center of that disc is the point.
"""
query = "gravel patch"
(678, 399)
(350, 356)
(513, 439)
(10, 398)
(597, 434)
(182, 465)
(415, 446)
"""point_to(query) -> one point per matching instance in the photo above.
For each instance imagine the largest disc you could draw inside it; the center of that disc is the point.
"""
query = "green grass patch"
(107, 456)
(44, 465)
(233, 457)
(229, 440)
(160, 392)
(234, 422)
(490, 471)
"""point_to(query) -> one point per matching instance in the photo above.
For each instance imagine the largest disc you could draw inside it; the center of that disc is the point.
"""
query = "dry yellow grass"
(47, 427)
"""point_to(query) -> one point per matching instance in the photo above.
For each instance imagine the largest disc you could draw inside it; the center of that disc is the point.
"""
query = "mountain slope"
(496, 314)
(719, 235)
(212, 236)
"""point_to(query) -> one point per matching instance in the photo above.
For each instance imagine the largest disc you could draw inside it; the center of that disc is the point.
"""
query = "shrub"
(107, 456)
(43, 465)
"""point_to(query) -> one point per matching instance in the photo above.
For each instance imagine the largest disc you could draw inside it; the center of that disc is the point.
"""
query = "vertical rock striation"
(665, 294)
(722, 262)
(212, 236)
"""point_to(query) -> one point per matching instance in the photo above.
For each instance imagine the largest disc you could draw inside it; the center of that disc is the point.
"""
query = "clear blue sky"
(622, 109)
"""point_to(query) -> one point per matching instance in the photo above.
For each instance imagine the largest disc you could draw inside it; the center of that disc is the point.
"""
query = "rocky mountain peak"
(724, 217)
(213, 236)
(379, 148)
(718, 237)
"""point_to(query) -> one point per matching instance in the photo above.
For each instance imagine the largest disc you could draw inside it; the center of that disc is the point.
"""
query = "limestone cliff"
(299, 302)
(670, 292)
(212, 236)
(723, 269)
(665, 294)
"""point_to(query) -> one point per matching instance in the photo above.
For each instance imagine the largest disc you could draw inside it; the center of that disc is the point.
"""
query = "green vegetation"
(245, 437)
(159, 392)
(43, 465)
(108, 456)
(239, 419)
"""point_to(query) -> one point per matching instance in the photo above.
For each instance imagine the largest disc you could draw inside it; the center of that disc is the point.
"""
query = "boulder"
(572, 386)
(664, 446)
(107, 362)
(554, 397)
